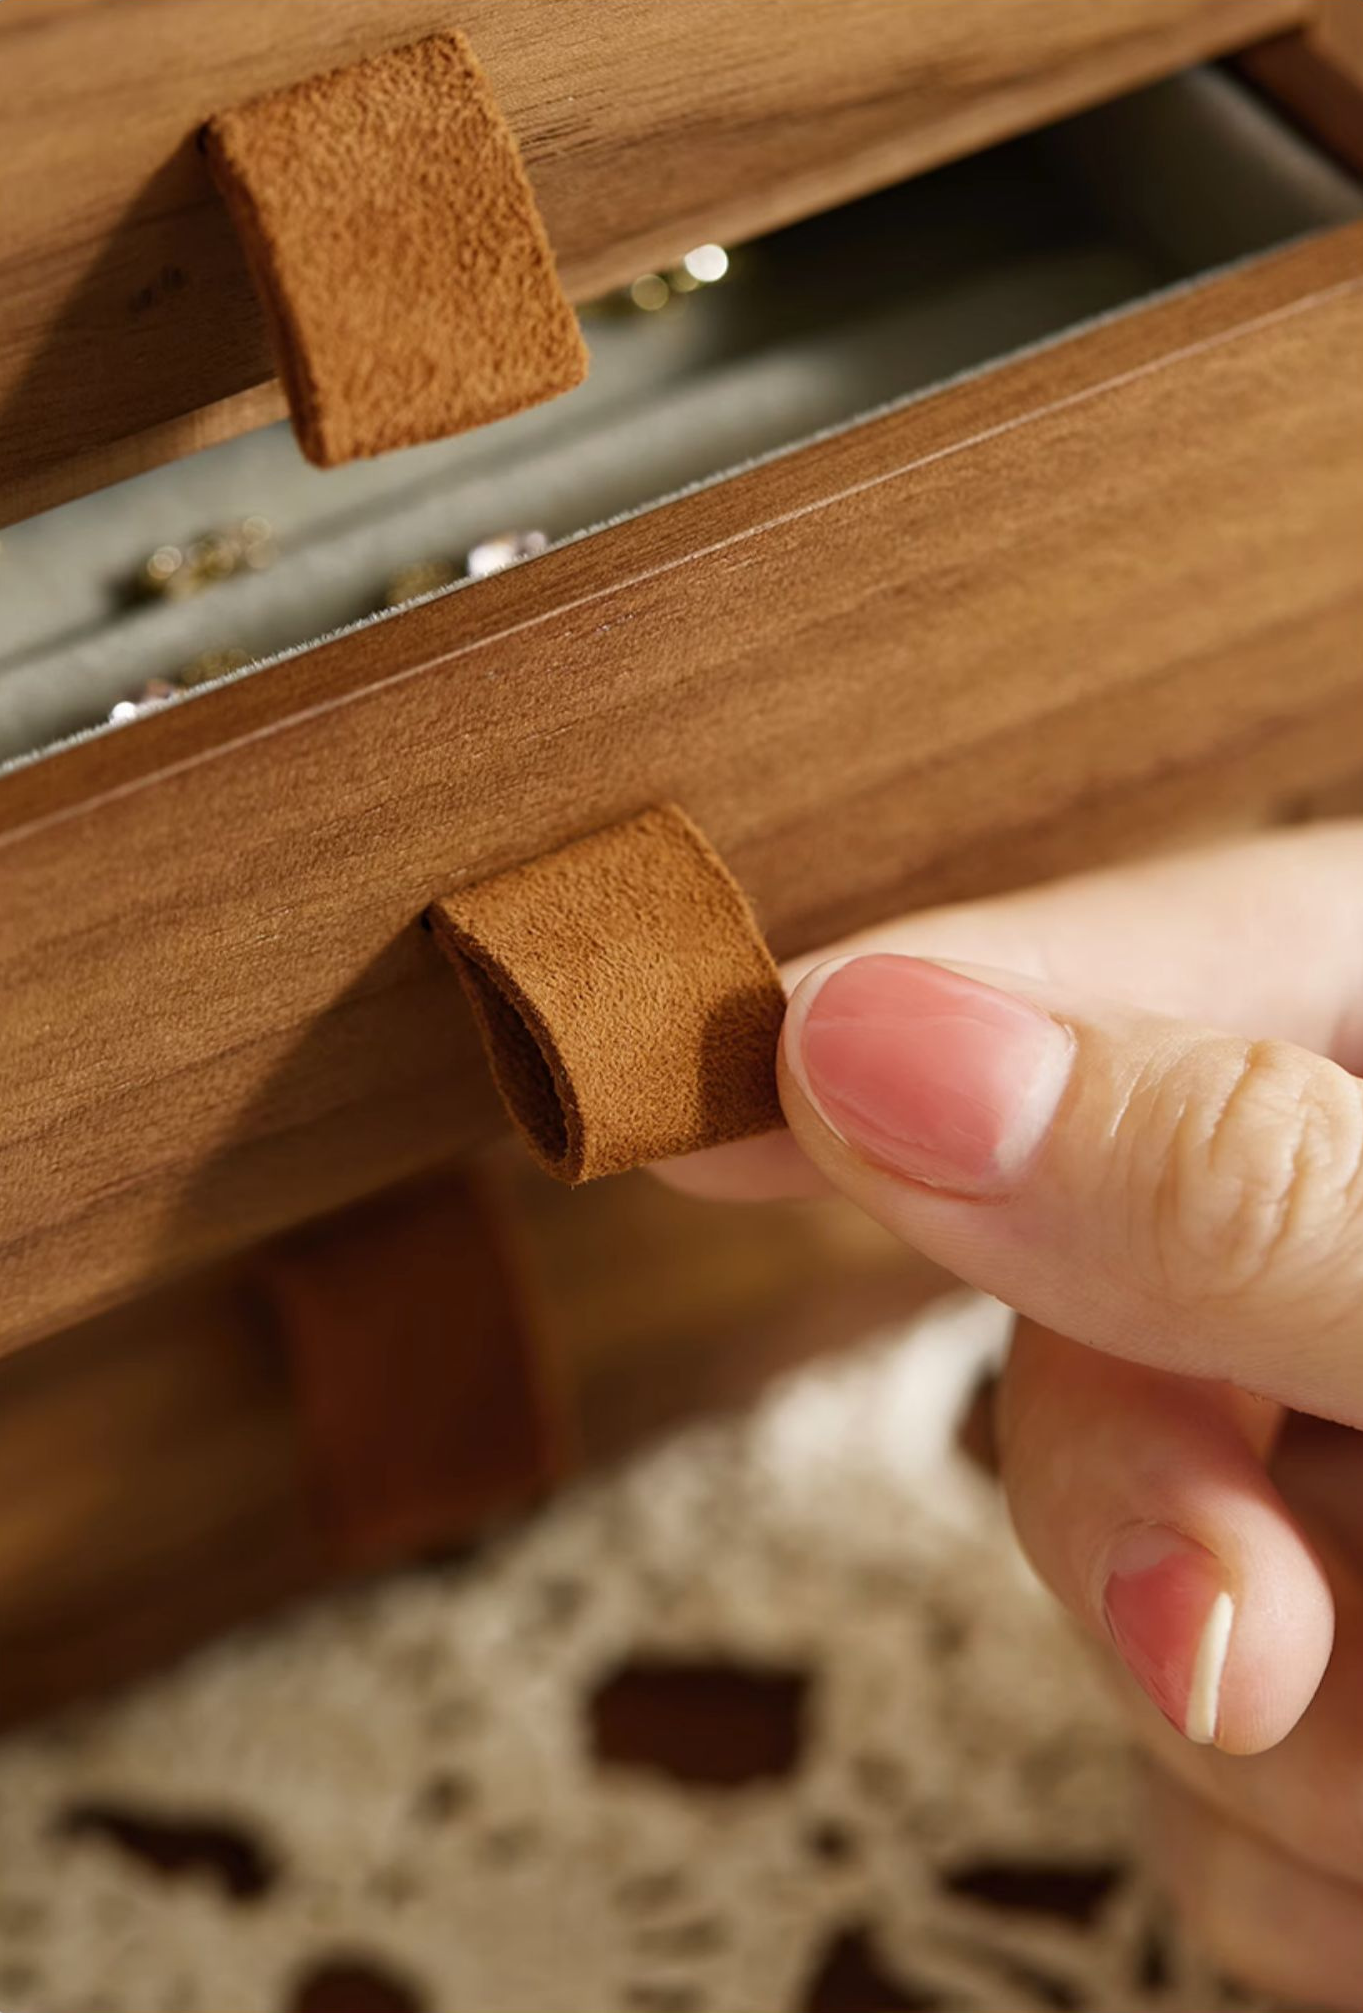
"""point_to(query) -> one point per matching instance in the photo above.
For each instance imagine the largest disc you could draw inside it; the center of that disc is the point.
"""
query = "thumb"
(1185, 1198)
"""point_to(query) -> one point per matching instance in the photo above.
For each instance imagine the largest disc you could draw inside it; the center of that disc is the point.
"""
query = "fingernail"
(934, 1075)
(1170, 1613)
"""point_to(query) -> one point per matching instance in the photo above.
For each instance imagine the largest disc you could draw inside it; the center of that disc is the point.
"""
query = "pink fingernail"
(1170, 1613)
(936, 1076)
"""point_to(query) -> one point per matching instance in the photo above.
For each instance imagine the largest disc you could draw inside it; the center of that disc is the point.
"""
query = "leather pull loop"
(427, 1402)
(394, 239)
(629, 1006)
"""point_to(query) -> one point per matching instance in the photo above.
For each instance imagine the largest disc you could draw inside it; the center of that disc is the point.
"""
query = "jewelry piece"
(174, 572)
(148, 698)
(489, 555)
(650, 292)
(702, 266)
(210, 664)
(423, 576)
(158, 692)
(505, 548)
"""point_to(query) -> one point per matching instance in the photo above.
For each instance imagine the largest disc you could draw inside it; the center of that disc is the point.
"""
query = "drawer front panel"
(129, 331)
(1112, 588)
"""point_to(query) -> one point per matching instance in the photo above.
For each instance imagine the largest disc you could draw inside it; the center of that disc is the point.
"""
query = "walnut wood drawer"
(128, 329)
(1088, 597)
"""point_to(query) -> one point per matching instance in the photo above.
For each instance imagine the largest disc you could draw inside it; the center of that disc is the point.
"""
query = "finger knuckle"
(1259, 1170)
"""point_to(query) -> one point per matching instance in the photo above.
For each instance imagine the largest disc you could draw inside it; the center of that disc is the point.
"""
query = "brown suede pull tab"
(394, 239)
(629, 1005)
(427, 1404)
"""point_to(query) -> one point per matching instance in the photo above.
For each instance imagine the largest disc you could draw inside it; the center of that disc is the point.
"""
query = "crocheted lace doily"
(453, 1791)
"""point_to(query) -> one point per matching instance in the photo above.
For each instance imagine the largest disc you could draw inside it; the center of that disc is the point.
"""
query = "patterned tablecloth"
(773, 1719)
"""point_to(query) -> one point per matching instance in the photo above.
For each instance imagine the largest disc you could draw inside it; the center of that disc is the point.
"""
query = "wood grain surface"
(1315, 75)
(1098, 595)
(158, 1478)
(647, 126)
(1336, 26)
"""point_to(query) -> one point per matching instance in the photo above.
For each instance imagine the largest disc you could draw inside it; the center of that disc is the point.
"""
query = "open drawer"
(1088, 593)
(129, 332)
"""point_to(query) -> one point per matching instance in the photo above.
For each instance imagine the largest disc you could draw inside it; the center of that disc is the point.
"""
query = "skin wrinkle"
(1146, 1244)
(1273, 1228)
(1226, 1221)
(1277, 1219)
(1353, 1186)
(1210, 1226)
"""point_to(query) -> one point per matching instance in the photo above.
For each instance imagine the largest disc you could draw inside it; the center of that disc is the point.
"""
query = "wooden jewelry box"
(999, 512)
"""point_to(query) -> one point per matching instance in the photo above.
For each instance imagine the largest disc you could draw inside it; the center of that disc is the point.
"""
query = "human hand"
(1053, 1119)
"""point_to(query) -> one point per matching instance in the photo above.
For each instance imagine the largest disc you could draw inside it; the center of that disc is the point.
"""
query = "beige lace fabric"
(446, 1792)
